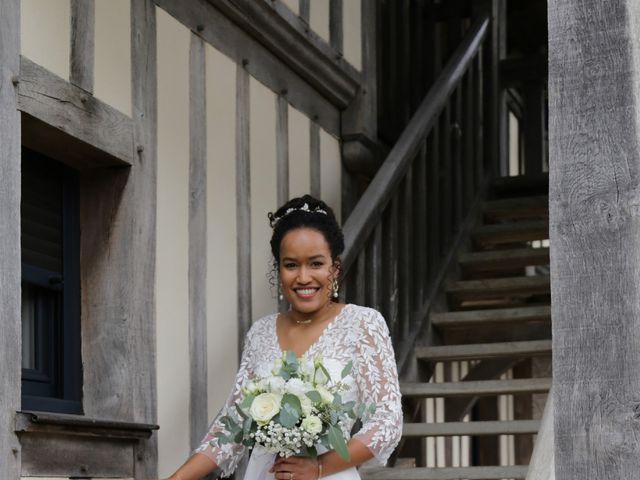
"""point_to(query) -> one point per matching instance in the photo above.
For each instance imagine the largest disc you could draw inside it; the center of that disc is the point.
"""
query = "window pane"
(28, 327)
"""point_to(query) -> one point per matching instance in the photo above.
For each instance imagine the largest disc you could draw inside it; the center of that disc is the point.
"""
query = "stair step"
(450, 429)
(517, 208)
(484, 350)
(498, 260)
(476, 388)
(447, 473)
(512, 232)
(475, 318)
(497, 288)
(521, 185)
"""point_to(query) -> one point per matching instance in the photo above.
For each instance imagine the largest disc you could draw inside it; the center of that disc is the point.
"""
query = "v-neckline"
(324, 331)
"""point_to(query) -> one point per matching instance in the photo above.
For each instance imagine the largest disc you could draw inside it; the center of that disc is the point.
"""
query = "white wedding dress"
(356, 334)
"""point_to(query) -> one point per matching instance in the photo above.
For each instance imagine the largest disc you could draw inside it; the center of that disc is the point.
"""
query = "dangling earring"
(335, 288)
(280, 295)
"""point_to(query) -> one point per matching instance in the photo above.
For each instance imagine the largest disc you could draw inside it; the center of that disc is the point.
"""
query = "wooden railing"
(400, 232)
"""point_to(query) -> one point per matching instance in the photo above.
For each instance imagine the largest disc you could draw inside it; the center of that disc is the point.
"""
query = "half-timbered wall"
(234, 138)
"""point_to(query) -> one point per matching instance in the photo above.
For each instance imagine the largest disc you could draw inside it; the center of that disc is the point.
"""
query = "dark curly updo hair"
(316, 215)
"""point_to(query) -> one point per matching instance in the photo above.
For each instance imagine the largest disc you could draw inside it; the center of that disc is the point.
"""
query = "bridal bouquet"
(292, 411)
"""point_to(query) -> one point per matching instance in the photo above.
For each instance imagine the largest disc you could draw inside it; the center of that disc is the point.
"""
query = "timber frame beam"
(56, 112)
(291, 40)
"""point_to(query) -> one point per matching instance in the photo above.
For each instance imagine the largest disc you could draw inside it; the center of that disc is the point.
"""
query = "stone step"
(490, 236)
(500, 260)
(476, 388)
(447, 473)
(450, 429)
(498, 288)
(484, 350)
(536, 207)
(497, 316)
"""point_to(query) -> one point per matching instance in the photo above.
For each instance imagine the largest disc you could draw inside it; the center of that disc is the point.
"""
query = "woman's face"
(306, 269)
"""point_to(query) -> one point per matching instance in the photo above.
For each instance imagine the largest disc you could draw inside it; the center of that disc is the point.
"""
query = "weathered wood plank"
(446, 473)
(336, 27)
(143, 335)
(595, 263)
(314, 158)
(10, 271)
(512, 232)
(198, 415)
(74, 457)
(505, 316)
(304, 10)
(69, 109)
(259, 61)
(476, 388)
(282, 148)
(82, 43)
(243, 203)
(470, 428)
(485, 350)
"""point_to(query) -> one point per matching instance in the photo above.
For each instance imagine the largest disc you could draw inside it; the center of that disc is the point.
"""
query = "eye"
(317, 264)
(289, 265)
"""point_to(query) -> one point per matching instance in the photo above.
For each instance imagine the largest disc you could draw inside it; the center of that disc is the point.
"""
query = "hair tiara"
(303, 208)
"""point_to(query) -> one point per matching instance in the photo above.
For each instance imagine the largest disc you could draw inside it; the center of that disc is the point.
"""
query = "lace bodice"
(357, 334)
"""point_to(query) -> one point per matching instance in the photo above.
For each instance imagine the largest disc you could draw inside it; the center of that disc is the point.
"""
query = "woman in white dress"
(306, 244)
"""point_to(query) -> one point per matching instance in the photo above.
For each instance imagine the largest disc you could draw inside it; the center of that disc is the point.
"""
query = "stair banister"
(368, 210)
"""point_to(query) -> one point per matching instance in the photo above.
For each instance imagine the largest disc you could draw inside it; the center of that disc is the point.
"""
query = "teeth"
(306, 291)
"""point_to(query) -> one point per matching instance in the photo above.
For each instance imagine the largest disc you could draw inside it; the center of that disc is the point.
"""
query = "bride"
(306, 244)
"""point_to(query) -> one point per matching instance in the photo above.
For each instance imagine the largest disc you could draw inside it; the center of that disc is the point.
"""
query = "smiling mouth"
(306, 292)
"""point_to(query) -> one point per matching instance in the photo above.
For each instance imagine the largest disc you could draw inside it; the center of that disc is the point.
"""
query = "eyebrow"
(310, 258)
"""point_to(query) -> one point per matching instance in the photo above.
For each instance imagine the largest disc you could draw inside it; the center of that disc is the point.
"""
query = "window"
(51, 358)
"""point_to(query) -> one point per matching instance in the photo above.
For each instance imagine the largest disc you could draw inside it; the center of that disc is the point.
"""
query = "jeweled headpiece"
(303, 208)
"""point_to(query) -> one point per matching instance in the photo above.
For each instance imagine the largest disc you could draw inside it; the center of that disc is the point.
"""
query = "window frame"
(63, 394)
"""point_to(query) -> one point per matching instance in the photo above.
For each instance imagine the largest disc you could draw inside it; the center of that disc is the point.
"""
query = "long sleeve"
(227, 456)
(377, 380)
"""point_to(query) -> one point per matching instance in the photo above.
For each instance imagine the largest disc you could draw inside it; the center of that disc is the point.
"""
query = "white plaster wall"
(299, 153)
(45, 34)
(172, 243)
(112, 79)
(330, 172)
(222, 283)
(294, 5)
(352, 32)
(319, 17)
(263, 194)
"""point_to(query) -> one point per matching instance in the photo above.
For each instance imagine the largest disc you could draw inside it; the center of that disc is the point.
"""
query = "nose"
(303, 275)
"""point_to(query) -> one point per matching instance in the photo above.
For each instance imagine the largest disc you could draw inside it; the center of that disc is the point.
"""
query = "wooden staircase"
(499, 316)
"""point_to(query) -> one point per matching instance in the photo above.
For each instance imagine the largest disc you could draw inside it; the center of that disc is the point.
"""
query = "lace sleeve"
(377, 379)
(228, 455)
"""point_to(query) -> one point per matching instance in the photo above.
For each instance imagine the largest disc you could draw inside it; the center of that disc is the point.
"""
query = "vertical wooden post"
(11, 338)
(143, 244)
(534, 126)
(82, 43)
(304, 9)
(314, 158)
(282, 160)
(336, 27)
(197, 241)
(594, 233)
(243, 203)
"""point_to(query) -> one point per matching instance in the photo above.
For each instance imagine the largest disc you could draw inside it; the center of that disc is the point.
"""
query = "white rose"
(265, 406)
(326, 395)
(295, 386)
(312, 424)
(306, 368)
(306, 404)
(276, 385)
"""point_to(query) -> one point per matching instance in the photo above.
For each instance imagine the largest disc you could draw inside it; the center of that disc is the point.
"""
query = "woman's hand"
(296, 468)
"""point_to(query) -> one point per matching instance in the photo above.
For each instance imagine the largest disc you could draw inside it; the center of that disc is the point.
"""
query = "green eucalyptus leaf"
(326, 372)
(347, 369)
(314, 396)
(337, 399)
(293, 401)
(288, 416)
(291, 358)
(337, 442)
(360, 410)
(247, 401)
